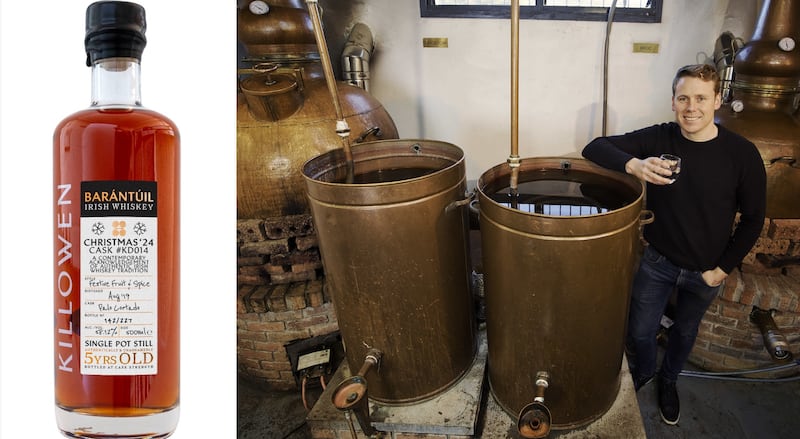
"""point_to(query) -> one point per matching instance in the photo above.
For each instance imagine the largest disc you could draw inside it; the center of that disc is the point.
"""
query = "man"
(692, 244)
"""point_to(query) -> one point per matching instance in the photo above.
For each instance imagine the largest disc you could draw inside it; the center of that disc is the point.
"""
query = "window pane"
(598, 3)
(484, 2)
(637, 11)
(577, 3)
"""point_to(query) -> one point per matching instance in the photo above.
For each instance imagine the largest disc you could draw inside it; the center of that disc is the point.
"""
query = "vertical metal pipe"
(513, 159)
(342, 129)
(605, 65)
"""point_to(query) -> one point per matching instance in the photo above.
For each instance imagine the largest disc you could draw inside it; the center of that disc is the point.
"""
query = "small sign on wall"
(440, 42)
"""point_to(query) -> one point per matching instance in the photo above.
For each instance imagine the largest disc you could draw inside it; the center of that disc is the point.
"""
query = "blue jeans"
(653, 286)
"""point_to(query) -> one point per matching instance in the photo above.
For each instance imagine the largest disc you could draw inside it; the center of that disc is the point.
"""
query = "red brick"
(729, 332)
(314, 292)
(324, 309)
(249, 363)
(287, 278)
(296, 296)
(255, 336)
(283, 316)
(304, 243)
(244, 344)
(328, 328)
(271, 247)
(281, 355)
(251, 260)
(287, 336)
(288, 226)
(266, 326)
(250, 230)
(758, 267)
(256, 356)
(743, 344)
(771, 246)
(258, 299)
(734, 284)
(295, 258)
(251, 280)
(250, 316)
(302, 268)
(273, 270)
(241, 299)
(276, 299)
(269, 346)
(784, 229)
(306, 323)
(748, 295)
(279, 366)
(251, 270)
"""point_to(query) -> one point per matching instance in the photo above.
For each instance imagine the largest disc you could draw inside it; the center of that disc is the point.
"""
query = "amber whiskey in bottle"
(116, 246)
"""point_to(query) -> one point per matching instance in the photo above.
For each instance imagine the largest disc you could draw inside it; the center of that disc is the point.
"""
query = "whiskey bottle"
(116, 246)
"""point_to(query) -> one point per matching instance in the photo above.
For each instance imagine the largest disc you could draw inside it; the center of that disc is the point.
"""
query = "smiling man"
(693, 242)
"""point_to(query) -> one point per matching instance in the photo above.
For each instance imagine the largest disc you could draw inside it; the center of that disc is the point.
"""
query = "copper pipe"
(342, 129)
(513, 159)
(350, 396)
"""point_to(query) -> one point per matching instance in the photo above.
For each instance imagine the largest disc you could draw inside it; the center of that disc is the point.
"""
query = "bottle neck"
(115, 82)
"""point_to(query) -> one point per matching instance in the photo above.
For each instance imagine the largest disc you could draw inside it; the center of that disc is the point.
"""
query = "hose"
(731, 375)
(303, 393)
(610, 20)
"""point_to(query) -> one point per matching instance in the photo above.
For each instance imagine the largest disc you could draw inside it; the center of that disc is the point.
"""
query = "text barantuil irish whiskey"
(116, 279)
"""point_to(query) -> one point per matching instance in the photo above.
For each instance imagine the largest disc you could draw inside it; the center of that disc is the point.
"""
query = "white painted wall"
(461, 94)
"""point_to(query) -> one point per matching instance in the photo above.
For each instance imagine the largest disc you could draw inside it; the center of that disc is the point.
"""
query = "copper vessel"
(395, 248)
(764, 102)
(557, 286)
(285, 114)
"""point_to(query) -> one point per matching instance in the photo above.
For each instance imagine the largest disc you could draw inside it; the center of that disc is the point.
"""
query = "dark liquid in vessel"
(388, 175)
(575, 193)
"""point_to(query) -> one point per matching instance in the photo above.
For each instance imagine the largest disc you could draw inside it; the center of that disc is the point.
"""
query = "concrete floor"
(710, 409)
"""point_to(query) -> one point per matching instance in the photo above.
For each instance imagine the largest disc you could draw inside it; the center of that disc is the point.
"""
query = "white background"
(188, 74)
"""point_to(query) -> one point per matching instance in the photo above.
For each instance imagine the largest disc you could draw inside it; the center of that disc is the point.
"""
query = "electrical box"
(315, 357)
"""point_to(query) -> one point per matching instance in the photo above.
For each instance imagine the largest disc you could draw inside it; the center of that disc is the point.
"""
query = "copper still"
(558, 265)
(764, 100)
(285, 114)
(394, 244)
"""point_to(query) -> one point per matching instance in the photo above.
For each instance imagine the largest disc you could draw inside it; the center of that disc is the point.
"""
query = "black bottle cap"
(114, 29)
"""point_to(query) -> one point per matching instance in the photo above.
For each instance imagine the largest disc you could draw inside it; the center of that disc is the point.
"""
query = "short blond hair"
(705, 72)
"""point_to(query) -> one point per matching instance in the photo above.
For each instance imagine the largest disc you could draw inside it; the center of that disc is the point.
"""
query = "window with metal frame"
(635, 11)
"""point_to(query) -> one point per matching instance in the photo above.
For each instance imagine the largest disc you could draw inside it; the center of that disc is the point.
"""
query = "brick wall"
(281, 295)
(769, 278)
(343, 432)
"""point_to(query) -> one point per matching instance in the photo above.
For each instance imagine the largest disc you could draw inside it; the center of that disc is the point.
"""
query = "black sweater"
(694, 216)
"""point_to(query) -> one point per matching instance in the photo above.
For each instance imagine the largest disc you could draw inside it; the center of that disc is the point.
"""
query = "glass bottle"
(116, 246)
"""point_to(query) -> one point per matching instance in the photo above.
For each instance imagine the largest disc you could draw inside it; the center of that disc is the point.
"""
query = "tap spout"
(350, 396)
(534, 419)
